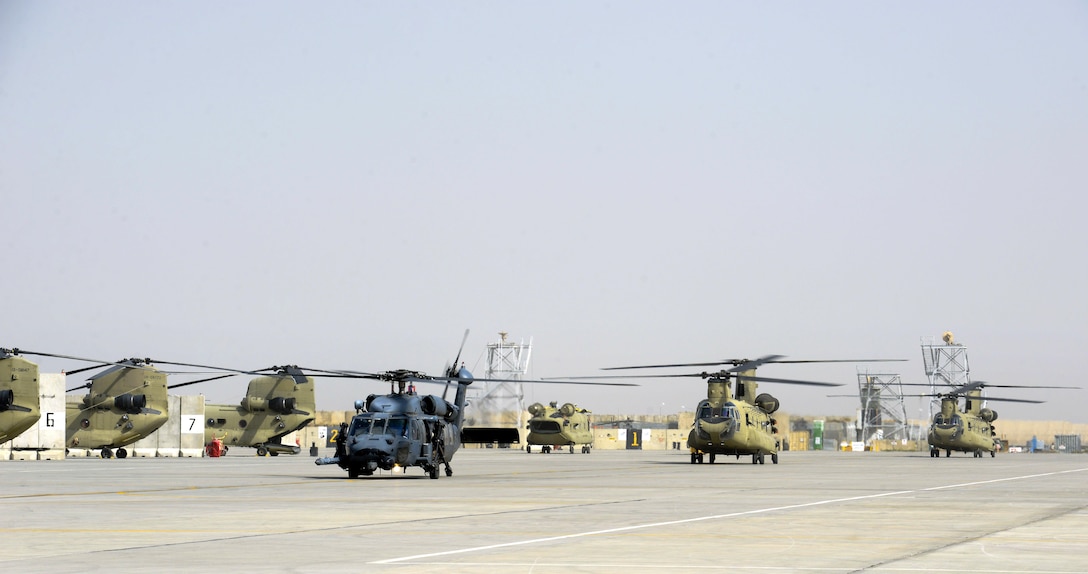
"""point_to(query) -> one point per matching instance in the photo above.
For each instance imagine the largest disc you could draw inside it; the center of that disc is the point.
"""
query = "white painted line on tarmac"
(704, 518)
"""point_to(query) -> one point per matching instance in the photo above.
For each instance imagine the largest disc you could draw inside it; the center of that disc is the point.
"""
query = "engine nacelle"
(437, 406)
(767, 403)
(283, 405)
(568, 410)
(536, 409)
(130, 403)
(254, 404)
(988, 415)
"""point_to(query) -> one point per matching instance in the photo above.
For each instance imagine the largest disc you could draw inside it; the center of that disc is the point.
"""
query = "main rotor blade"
(790, 381)
(551, 381)
(121, 363)
(185, 384)
(745, 364)
(454, 368)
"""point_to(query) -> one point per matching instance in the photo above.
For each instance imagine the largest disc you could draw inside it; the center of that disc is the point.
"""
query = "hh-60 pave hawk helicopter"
(554, 426)
(739, 422)
(970, 430)
(19, 399)
(403, 428)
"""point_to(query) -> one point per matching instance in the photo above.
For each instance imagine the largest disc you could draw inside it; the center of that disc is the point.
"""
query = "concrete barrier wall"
(191, 426)
(181, 435)
(45, 440)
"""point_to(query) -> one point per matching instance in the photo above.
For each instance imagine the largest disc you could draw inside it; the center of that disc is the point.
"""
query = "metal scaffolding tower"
(946, 366)
(501, 404)
(883, 415)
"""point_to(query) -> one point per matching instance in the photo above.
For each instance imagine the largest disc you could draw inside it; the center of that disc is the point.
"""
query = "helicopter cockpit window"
(705, 412)
(360, 426)
(730, 412)
(397, 427)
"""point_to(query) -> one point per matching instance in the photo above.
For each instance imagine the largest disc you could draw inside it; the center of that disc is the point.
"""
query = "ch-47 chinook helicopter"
(19, 399)
(970, 430)
(554, 426)
(404, 428)
(736, 421)
(124, 403)
(275, 404)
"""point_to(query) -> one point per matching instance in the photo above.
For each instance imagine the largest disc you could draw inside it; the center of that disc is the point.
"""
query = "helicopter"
(275, 405)
(19, 400)
(554, 426)
(736, 421)
(970, 430)
(124, 403)
(404, 428)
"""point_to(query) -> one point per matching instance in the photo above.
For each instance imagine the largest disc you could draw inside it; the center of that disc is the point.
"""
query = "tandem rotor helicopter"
(124, 403)
(736, 421)
(554, 427)
(971, 429)
(276, 404)
(403, 428)
(19, 398)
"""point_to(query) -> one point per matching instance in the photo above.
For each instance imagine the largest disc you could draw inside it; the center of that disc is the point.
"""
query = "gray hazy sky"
(352, 185)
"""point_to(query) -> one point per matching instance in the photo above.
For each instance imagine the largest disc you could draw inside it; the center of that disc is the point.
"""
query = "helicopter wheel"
(948, 453)
(529, 449)
(273, 453)
(572, 449)
(760, 458)
(122, 453)
(433, 472)
(353, 472)
(107, 453)
(712, 456)
(993, 453)
(694, 458)
(261, 450)
(755, 459)
(449, 471)
(774, 458)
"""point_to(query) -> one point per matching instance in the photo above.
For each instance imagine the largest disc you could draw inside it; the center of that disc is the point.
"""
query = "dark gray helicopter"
(404, 428)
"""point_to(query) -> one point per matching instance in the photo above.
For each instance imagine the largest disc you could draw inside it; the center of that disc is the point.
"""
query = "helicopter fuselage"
(123, 405)
(273, 407)
(558, 426)
(20, 406)
(734, 425)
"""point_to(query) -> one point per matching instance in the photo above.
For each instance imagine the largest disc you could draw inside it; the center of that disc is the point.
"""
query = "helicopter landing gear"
(261, 450)
(947, 453)
(712, 457)
(934, 453)
(696, 457)
(433, 472)
(107, 453)
(585, 449)
(993, 453)
(353, 472)
(774, 458)
(122, 453)
(572, 449)
(529, 448)
(757, 458)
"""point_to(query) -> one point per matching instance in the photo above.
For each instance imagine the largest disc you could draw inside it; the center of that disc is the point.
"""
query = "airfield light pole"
(501, 404)
(946, 366)
(883, 414)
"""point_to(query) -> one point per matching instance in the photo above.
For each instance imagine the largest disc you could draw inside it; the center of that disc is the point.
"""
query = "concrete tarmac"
(508, 511)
